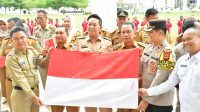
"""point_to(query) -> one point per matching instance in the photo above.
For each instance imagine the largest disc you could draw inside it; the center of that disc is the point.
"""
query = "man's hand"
(142, 92)
(142, 106)
(37, 101)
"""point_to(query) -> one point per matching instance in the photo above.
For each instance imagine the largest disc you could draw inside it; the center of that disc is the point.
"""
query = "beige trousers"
(21, 102)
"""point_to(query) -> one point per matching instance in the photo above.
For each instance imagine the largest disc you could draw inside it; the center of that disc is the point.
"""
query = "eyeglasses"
(128, 32)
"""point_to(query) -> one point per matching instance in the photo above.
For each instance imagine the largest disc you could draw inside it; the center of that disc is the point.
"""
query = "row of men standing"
(95, 40)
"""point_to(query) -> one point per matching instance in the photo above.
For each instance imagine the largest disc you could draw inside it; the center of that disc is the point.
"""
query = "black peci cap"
(122, 13)
(156, 24)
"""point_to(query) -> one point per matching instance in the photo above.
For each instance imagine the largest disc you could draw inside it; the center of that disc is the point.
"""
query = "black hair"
(17, 29)
(129, 23)
(17, 21)
(42, 11)
(97, 17)
(188, 24)
(150, 11)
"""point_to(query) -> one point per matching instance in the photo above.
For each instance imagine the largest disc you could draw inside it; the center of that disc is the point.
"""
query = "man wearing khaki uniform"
(94, 43)
(157, 62)
(142, 35)
(122, 16)
(61, 43)
(21, 63)
(128, 35)
(42, 32)
(7, 45)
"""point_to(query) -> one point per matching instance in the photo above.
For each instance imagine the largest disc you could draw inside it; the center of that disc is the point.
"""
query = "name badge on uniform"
(166, 61)
(183, 65)
(84, 46)
(21, 62)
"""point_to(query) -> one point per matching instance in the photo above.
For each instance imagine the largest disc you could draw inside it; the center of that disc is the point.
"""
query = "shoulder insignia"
(141, 44)
(7, 38)
(81, 37)
(107, 38)
(114, 31)
(11, 53)
(52, 27)
(117, 46)
(180, 35)
(78, 33)
(31, 37)
(30, 47)
(142, 28)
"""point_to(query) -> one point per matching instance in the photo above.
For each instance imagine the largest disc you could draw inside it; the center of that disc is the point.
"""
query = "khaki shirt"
(67, 46)
(122, 46)
(116, 37)
(7, 45)
(142, 36)
(22, 68)
(102, 44)
(43, 34)
(157, 62)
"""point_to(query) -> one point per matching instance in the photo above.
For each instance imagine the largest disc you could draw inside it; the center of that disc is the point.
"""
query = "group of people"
(160, 68)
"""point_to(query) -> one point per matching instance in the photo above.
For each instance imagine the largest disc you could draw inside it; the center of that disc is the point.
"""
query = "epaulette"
(11, 53)
(31, 37)
(36, 27)
(104, 30)
(107, 38)
(142, 28)
(78, 33)
(85, 33)
(81, 37)
(117, 46)
(7, 38)
(114, 31)
(30, 47)
(141, 44)
(52, 27)
(180, 35)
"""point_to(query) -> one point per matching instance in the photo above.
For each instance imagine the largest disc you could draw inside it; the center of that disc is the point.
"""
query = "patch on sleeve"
(166, 60)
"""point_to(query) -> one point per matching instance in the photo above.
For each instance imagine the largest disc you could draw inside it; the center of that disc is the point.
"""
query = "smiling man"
(186, 73)
(94, 43)
(156, 65)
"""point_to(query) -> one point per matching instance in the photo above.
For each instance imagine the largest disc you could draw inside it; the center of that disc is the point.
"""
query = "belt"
(8, 79)
(19, 88)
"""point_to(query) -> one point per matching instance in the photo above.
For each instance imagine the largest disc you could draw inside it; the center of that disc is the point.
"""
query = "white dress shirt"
(187, 74)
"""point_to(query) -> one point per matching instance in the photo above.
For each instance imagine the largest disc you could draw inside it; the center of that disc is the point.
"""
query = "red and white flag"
(93, 80)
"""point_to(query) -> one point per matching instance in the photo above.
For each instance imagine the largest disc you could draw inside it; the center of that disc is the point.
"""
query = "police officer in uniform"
(94, 43)
(122, 16)
(21, 63)
(43, 31)
(157, 62)
(61, 43)
(142, 35)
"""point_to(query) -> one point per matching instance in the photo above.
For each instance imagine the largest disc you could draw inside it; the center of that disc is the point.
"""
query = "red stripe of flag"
(111, 65)
(2, 61)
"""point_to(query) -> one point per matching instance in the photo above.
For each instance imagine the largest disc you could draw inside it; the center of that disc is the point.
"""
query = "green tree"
(6, 3)
(56, 4)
